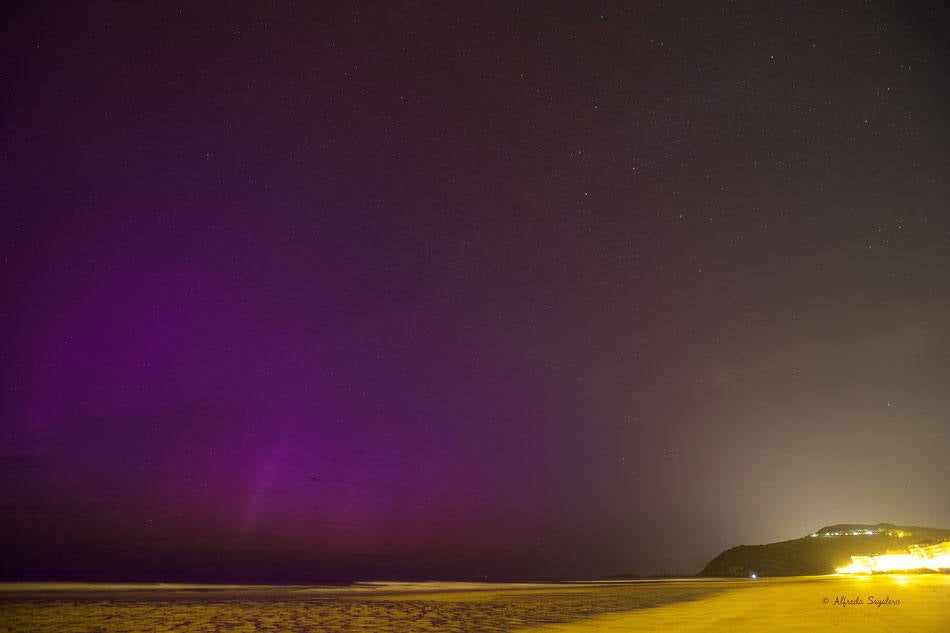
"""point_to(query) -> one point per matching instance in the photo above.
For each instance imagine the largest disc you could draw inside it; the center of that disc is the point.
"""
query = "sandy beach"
(860, 604)
(880, 603)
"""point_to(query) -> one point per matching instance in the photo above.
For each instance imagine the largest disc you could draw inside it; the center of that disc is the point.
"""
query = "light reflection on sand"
(919, 603)
(780, 604)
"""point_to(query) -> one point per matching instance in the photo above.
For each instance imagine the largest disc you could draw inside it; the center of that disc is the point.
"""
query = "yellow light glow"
(917, 558)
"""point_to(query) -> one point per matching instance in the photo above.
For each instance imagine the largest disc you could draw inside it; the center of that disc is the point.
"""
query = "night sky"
(304, 292)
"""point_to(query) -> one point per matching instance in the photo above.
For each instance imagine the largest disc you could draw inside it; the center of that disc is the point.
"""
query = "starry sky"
(309, 292)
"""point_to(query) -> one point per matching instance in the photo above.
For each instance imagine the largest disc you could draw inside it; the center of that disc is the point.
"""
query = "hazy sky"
(322, 291)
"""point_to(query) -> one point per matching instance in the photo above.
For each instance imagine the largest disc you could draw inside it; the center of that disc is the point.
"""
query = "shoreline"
(847, 603)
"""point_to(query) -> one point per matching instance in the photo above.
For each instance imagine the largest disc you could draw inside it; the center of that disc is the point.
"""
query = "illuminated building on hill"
(917, 558)
(860, 531)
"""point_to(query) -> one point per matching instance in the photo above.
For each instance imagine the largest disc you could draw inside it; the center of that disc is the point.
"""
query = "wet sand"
(788, 604)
